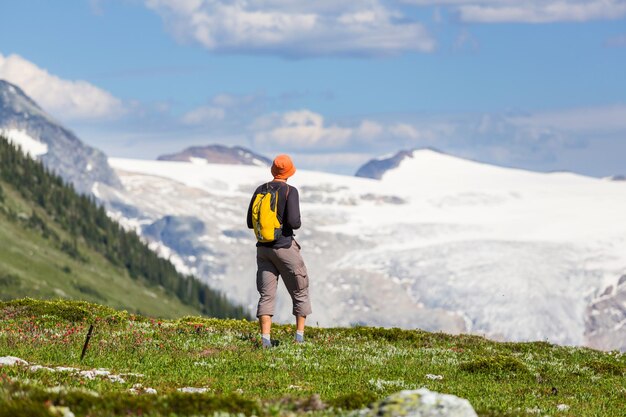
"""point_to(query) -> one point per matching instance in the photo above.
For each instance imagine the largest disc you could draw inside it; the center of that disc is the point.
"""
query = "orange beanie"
(282, 167)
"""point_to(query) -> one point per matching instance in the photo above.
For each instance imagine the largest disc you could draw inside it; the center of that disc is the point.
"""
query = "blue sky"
(536, 84)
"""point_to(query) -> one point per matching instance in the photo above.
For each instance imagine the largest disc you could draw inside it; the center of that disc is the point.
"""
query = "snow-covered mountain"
(376, 168)
(218, 154)
(438, 243)
(24, 123)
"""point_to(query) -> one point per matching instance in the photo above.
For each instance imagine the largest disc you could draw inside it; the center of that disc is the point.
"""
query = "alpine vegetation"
(193, 366)
(76, 226)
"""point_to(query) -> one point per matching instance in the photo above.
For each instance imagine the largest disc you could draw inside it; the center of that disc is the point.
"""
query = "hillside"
(56, 243)
(459, 246)
(192, 366)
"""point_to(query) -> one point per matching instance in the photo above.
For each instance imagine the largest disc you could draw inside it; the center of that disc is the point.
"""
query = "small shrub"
(72, 251)
(73, 311)
(354, 400)
(87, 290)
(9, 280)
(607, 368)
(24, 408)
(494, 364)
(390, 335)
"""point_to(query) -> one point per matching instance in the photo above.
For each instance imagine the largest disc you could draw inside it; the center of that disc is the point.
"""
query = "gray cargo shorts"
(288, 263)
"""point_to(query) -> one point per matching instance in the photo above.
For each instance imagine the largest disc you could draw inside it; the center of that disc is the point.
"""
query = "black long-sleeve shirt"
(288, 212)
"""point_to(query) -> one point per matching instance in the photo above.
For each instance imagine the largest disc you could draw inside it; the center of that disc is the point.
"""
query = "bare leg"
(300, 328)
(300, 320)
(265, 322)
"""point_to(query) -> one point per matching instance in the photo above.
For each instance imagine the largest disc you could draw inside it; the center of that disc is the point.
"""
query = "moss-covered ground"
(346, 367)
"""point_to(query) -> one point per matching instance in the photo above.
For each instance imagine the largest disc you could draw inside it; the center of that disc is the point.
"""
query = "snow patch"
(198, 161)
(29, 146)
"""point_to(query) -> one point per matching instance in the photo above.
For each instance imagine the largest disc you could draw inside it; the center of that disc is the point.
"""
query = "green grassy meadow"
(347, 367)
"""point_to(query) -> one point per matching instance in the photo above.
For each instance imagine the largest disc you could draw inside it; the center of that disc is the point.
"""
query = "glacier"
(438, 242)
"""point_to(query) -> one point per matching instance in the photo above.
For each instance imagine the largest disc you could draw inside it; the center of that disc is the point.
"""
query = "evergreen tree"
(86, 223)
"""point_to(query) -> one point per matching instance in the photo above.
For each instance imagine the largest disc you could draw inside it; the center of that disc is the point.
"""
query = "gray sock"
(299, 336)
(267, 342)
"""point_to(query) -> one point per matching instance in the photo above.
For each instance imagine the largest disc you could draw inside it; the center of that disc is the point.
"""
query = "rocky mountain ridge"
(26, 124)
(218, 154)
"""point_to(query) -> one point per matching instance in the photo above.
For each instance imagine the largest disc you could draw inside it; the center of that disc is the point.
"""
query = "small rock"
(193, 390)
(562, 407)
(434, 377)
(314, 403)
(11, 361)
(421, 403)
(139, 389)
(66, 369)
(116, 378)
(36, 368)
(92, 374)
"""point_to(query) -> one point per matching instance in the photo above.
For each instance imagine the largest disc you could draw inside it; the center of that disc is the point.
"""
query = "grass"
(346, 367)
(34, 266)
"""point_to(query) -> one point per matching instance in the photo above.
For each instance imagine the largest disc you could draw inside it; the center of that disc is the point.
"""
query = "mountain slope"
(438, 243)
(57, 243)
(218, 154)
(23, 122)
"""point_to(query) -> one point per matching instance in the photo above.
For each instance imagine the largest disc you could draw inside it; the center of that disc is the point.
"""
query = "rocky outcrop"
(376, 168)
(605, 324)
(64, 153)
(421, 403)
(218, 154)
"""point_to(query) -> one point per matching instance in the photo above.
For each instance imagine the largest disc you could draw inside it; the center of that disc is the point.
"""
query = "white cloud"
(66, 99)
(293, 28)
(404, 130)
(304, 129)
(300, 130)
(369, 129)
(532, 11)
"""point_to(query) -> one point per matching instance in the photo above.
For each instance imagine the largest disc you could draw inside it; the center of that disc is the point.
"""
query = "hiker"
(274, 219)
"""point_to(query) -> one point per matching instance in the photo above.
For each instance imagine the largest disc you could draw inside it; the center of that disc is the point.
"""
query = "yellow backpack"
(267, 228)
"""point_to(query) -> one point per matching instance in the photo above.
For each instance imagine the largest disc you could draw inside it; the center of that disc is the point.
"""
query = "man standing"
(281, 256)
